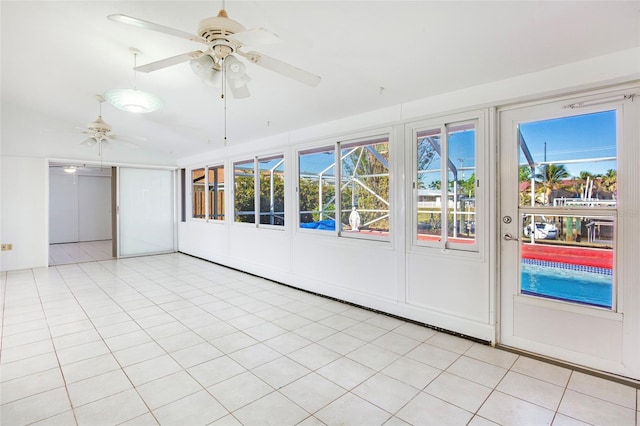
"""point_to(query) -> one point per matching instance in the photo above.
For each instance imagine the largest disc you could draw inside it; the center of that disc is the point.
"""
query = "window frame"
(319, 148)
(210, 215)
(479, 119)
(258, 194)
(342, 144)
(235, 190)
(192, 193)
(336, 146)
(256, 189)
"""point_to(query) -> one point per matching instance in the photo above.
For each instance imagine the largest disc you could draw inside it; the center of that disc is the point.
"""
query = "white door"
(568, 183)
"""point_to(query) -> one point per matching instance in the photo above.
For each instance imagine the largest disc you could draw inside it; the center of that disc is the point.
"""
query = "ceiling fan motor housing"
(99, 126)
(218, 27)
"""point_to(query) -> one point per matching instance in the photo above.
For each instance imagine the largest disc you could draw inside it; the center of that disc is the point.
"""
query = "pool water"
(565, 284)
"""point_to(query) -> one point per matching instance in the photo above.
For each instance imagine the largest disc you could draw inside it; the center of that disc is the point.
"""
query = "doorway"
(80, 214)
(562, 279)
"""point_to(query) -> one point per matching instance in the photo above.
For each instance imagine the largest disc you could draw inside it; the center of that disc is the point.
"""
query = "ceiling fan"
(100, 132)
(223, 37)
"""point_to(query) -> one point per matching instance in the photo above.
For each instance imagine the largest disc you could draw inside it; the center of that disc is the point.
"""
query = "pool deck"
(586, 256)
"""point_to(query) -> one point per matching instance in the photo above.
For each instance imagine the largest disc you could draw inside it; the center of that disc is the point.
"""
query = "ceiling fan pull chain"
(224, 97)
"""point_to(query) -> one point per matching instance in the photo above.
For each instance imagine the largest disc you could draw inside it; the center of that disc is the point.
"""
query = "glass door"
(560, 294)
(146, 211)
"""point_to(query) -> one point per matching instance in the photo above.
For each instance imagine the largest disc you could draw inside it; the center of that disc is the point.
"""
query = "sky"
(586, 136)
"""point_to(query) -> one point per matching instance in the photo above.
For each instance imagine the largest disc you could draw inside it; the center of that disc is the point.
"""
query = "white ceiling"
(57, 55)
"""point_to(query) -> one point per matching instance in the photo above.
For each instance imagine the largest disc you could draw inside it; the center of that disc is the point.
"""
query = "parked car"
(543, 231)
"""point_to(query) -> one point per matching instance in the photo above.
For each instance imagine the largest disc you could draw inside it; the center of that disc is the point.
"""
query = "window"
(271, 185)
(244, 192)
(363, 191)
(317, 189)
(215, 181)
(364, 187)
(567, 187)
(259, 183)
(446, 185)
(198, 203)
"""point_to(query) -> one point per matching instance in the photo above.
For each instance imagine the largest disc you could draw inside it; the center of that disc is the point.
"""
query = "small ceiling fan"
(223, 37)
(100, 132)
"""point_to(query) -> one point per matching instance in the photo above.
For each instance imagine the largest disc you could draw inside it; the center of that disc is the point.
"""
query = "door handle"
(508, 237)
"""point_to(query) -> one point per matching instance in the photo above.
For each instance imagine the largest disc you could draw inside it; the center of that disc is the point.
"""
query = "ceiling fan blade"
(256, 36)
(123, 141)
(282, 68)
(239, 92)
(140, 23)
(167, 62)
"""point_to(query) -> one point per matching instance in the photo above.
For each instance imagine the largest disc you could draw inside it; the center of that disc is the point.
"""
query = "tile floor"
(86, 251)
(174, 340)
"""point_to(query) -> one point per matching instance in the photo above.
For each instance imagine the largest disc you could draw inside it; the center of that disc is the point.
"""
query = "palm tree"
(609, 180)
(552, 177)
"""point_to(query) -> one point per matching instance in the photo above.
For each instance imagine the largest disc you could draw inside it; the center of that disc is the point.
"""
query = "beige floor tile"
(477, 371)
(89, 368)
(425, 409)
(508, 410)
(98, 387)
(280, 372)
(314, 356)
(603, 389)
(541, 370)
(350, 409)
(373, 356)
(33, 384)
(451, 343)
(491, 355)
(532, 390)
(346, 373)
(34, 408)
(239, 391)
(385, 392)
(433, 356)
(460, 392)
(312, 392)
(595, 411)
(27, 367)
(396, 343)
(152, 369)
(287, 343)
(255, 355)
(168, 389)
(273, 409)
(412, 372)
(215, 371)
(111, 410)
(197, 409)
(341, 343)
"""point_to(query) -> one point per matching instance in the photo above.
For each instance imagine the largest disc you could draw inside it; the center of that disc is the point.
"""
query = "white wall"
(24, 212)
(445, 290)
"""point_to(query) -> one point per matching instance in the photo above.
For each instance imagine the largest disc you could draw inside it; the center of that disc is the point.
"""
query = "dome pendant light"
(133, 100)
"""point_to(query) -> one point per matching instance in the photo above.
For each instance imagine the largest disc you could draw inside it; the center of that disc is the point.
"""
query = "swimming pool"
(579, 286)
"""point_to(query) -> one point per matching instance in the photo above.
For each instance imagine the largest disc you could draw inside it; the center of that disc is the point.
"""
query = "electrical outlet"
(7, 247)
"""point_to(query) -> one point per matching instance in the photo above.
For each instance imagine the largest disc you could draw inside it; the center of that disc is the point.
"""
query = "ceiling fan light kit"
(133, 100)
